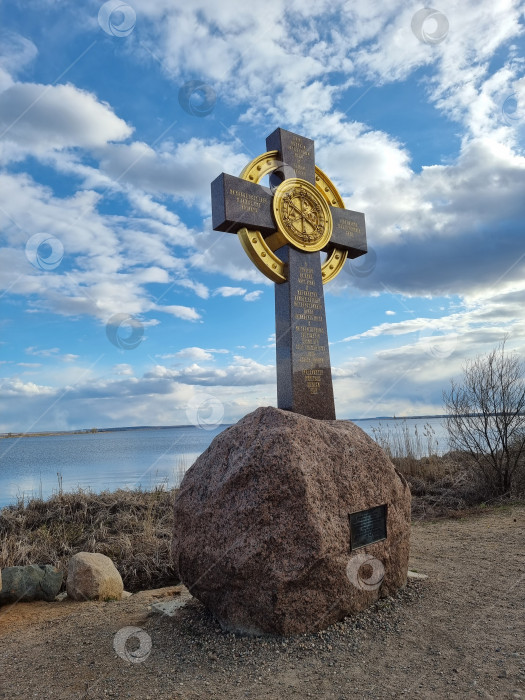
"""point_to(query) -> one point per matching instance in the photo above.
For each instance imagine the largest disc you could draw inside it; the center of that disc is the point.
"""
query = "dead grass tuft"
(133, 528)
(448, 486)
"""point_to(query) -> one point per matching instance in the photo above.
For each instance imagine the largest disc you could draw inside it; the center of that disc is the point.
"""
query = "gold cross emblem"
(302, 215)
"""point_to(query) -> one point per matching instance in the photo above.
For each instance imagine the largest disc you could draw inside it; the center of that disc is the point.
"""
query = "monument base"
(286, 524)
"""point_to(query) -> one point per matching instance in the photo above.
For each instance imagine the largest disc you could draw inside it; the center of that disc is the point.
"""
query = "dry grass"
(133, 528)
(402, 439)
(449, 486)
(442, 485)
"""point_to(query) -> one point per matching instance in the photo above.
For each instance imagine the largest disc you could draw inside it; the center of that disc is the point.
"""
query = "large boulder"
(93, 576)
(262, 524)
(28, 583)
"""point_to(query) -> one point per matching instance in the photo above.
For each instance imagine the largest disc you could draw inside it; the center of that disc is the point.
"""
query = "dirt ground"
(458, 634)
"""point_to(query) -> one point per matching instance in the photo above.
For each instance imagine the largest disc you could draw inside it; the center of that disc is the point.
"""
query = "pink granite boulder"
(262, 524)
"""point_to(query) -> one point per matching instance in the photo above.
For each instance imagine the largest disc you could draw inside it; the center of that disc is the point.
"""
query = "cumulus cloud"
(39, 118)
(241, 372)
(195, 354)
(16, 387)
(108, 261)
(183, 170)
(435, 232)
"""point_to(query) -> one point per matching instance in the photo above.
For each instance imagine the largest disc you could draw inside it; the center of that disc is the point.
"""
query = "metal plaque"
(367, 526)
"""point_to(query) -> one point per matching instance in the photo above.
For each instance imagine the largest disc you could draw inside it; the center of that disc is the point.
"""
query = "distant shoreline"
(94, 431)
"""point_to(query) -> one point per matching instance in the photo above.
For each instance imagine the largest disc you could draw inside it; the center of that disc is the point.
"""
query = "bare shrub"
(486, 418)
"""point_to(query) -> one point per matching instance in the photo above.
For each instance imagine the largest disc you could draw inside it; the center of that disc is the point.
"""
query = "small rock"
(170, 607)
(93, 576)
(28, 583)
(416, 575)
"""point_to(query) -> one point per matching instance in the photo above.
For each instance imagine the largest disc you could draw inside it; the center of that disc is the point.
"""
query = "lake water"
(29, 467)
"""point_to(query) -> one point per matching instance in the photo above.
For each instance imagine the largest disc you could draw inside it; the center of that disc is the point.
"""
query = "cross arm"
(297, 153)
(237, 203)
(349, 232)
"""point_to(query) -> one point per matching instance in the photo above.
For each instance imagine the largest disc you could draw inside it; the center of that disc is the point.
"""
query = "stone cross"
(283, 228)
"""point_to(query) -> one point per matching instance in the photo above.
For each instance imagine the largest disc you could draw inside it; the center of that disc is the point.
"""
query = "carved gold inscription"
(312, 338)
(347, 226)
(301, 153)
(247, 201)
(312, 379)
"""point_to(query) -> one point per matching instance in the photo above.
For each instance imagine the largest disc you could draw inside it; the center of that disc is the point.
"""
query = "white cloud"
(253, 296)
(16, 387)
(195, 354)
(182, 170)
(241, 372)
(42, 352)
(39, 118)
(434, 232)
(108, 260)
(123, 369)
(16, 51)
(184, 312)
(69, 357)
(229, 292)
(199, 288)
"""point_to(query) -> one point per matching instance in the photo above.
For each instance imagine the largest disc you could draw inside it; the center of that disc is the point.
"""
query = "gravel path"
(459, 634)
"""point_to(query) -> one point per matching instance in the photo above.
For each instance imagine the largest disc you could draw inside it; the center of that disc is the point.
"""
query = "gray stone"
(28, 583)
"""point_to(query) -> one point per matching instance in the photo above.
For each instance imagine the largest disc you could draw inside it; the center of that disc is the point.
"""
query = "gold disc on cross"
(260, 249)
(302, 215)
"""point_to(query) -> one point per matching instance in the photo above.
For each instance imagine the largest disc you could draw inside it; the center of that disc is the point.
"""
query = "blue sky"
(105, 178)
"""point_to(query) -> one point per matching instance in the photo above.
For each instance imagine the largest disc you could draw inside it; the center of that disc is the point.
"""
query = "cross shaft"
(241, 205)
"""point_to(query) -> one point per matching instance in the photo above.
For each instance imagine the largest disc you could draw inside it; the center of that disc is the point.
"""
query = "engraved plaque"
(367, 526)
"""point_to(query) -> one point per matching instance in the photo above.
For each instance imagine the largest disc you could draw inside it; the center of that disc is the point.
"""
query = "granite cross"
(283, 228)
